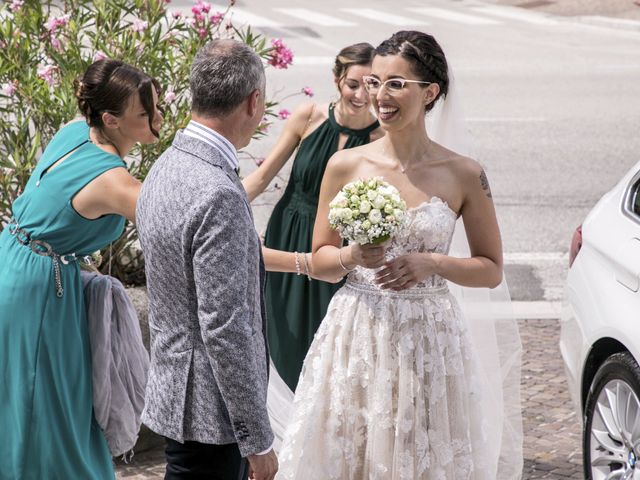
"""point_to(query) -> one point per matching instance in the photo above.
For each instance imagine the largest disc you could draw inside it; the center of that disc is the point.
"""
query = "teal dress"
(47, 426)
(295, 306)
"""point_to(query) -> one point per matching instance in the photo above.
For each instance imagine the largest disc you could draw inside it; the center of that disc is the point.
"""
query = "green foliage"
(46, 44)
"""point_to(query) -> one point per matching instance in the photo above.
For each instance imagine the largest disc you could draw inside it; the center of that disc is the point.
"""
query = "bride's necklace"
(403, 169)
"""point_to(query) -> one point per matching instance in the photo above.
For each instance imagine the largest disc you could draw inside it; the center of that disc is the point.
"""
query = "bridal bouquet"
(367, 211)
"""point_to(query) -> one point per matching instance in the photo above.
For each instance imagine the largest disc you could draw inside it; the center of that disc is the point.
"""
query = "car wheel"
(611, 436)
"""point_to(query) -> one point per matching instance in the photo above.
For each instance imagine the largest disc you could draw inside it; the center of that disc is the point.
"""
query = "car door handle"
(628, 269)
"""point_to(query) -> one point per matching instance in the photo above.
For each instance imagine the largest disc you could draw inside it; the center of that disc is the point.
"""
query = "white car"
(600, 337)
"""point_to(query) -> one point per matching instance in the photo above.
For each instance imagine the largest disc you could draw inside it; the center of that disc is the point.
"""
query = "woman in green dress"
(295, 304)
(75, 203)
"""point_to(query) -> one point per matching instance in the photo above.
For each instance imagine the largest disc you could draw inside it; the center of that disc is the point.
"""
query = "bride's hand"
(406, 271)
(368, 256)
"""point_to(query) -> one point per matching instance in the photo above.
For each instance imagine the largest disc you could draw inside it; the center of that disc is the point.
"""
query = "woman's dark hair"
(424, 54)
(357, 54)
(108, 85)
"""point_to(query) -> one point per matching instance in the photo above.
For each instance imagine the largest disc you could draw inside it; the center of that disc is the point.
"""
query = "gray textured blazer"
(205, 276)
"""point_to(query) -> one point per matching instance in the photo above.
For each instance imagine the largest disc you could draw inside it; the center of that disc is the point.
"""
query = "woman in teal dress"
(75, 203)
(296, 304)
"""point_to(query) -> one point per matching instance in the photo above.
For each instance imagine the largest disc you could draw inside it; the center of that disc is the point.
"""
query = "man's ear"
(110, 120)
(253, 101)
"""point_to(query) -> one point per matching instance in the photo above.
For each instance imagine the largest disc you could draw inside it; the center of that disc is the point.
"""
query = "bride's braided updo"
(425, 55)
(107, 86)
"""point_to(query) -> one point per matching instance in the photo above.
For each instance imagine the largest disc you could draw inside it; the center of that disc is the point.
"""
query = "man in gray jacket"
(207, 385)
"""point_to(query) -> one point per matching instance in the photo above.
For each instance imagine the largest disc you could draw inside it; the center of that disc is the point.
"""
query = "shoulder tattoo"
(484, 183)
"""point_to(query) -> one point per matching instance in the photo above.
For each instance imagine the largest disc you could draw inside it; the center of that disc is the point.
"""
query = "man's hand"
(263, 467)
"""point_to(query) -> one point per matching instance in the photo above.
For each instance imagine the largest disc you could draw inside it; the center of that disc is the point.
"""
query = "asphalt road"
(551, 102)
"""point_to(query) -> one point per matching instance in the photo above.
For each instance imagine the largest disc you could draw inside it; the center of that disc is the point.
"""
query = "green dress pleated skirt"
(296, 306)
(47, 427)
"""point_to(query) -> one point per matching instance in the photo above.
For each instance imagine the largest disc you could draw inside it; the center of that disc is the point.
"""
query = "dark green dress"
(295, 306)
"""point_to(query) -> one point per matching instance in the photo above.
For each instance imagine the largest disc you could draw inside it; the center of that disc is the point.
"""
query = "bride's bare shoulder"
(470, 173)
(347, 161)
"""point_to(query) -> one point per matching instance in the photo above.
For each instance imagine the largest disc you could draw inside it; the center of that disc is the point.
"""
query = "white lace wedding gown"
(389, 389)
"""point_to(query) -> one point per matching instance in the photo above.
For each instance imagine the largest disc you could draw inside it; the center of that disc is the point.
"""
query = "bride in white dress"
(391, 387)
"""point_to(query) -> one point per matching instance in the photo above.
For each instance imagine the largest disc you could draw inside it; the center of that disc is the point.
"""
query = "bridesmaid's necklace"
(102, 139)
(340, 117)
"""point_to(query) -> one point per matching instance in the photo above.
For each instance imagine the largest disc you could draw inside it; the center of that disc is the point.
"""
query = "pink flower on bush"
(307, 91)
(99, 55)
(216, 18)
(175, 14)
(47, 73)
(9, 88)
(56, 43)
(280, 56)
(201, 7)
(202, 32)
(200, 11)
(55, 23)
(139, 25)
(284, 114)
(170, 96)
(16, 5)
(264, 125)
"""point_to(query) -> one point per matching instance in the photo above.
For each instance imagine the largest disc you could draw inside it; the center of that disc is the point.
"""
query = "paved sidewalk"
(552, 429)
(552, 438)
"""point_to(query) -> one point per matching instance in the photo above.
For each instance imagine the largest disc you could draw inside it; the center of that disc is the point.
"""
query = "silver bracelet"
(342, 264)
(298, 272)
(306, 266)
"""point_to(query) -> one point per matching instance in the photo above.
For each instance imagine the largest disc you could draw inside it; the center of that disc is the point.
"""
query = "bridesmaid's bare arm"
(256, 182)
(113, 192)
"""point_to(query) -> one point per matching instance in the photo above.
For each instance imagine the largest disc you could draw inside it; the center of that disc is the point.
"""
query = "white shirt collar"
(214, 139)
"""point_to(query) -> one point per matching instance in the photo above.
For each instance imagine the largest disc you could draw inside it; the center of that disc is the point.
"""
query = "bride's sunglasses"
(393, 85)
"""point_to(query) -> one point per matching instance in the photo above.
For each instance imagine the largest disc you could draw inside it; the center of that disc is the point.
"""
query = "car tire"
(606, 439)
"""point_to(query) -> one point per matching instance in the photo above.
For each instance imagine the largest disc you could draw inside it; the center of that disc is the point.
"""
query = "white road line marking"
(534, 257)
(612, 21)
(384, 17)
(515, 14)
(241, 17)
(454, 16)
(505, 119)
(313, 61)
(617, 68)
(539, 310)
(311, 16)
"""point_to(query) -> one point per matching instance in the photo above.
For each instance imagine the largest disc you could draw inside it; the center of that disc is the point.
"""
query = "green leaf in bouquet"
(381, 239)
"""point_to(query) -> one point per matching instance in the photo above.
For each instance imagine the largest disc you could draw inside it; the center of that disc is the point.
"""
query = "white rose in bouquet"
(376, 211)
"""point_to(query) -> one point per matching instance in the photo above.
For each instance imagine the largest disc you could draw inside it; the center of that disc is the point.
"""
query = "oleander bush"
(46, 44)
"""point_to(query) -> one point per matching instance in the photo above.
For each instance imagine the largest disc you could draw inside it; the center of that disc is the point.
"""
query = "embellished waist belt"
(415, 292)
(40, 247)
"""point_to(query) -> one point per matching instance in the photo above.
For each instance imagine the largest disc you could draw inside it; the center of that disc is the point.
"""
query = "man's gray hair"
(223, 74)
